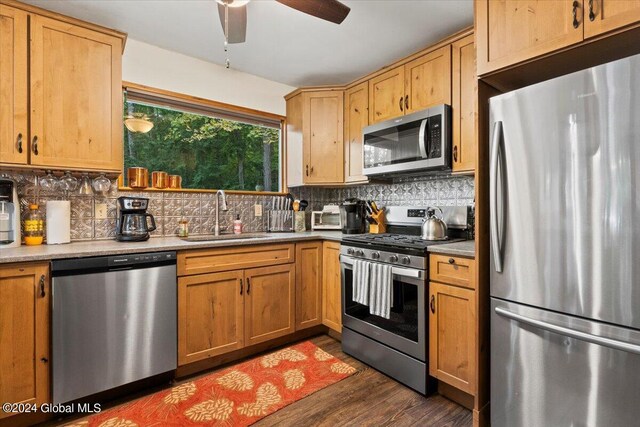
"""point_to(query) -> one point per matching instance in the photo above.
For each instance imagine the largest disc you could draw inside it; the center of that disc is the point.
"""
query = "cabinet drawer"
(223, 259)
(452, 270)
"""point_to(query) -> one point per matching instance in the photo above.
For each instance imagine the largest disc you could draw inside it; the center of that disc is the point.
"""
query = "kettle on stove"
(433, 227)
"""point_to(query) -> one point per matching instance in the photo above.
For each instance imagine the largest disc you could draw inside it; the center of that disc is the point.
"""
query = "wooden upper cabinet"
(464, 105)
(427, 80)
(295, 148)
(269, 303)
(601, 16)
(76, 96)
(452, 337)
(24, 334)
(512, 31)
(356, 118)
(308, 284)
(210, 315)
(331, 288)
(14, 145)
(386, 95)
(323, 137)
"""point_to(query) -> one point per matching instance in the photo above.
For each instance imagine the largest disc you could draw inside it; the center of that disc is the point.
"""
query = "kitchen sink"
(213, 238)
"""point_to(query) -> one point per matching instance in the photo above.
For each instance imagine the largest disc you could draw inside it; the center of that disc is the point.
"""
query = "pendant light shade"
(138, 123)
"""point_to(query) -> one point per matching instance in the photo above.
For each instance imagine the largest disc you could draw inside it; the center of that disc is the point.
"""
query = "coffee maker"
(10, 234)
(132, 225)
(353, 216)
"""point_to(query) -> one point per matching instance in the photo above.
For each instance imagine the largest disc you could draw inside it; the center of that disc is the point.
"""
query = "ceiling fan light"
(138, 124)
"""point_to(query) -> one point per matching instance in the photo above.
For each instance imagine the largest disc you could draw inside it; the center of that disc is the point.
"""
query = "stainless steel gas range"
(396, 346)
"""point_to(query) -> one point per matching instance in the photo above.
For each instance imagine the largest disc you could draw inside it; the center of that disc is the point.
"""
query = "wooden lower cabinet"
(210, 315)
(24, 334)
(269, 303)
(452, 337)
(308, 284)
(331, 286)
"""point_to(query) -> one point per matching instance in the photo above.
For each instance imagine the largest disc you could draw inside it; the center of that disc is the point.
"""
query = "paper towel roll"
(58, 222)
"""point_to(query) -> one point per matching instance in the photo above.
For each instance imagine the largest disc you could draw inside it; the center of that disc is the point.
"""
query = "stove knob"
(350, 251)
(375, 255)
(406, 260)
(359, 253)
(393, 258)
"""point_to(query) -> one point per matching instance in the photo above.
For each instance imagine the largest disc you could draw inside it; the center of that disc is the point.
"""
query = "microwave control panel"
(435, 136)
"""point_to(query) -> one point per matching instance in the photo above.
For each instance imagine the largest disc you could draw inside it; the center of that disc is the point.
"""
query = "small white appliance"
(326, 219)
(10, 232)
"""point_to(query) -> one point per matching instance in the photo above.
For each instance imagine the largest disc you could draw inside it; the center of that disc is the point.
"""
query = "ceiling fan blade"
(237, 23)
(329, 10)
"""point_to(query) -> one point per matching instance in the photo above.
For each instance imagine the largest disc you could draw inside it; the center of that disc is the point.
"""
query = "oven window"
(399, 144)
(404, 310)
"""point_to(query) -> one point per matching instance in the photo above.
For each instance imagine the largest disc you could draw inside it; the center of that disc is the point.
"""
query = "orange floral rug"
(236, 396)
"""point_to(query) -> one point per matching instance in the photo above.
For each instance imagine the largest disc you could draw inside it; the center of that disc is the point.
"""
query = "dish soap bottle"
(237, 225)
(33, 227)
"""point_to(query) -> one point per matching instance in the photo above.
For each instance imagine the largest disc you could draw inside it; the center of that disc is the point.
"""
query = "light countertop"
(157, 244)
(465, 248)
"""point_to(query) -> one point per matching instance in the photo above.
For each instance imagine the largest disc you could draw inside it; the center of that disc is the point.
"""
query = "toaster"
(326, 219)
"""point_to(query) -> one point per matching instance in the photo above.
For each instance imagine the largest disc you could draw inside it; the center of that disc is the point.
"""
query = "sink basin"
(212, 238)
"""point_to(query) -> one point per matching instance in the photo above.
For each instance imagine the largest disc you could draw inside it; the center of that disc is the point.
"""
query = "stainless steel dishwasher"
(114, 321)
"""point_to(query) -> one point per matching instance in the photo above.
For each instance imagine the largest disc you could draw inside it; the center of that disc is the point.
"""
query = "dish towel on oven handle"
(361, 269)
(380, 290)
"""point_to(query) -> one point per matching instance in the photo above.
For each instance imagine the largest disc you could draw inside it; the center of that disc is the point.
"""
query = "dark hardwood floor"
(367, 398)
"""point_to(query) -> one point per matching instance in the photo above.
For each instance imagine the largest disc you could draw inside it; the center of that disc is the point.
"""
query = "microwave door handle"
(422, 141)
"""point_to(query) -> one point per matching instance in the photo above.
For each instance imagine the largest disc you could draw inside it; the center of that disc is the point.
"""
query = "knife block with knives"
(377, 220)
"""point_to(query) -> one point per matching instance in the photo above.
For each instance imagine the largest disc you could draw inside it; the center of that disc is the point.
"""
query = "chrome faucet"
(216, 229)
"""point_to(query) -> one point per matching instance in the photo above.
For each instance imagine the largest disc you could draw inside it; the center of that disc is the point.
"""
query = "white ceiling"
(282, 44)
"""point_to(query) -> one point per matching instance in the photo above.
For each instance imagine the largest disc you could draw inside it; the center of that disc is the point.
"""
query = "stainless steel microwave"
(417, 142)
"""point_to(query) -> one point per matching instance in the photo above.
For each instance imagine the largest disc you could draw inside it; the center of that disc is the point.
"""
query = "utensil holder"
(299, 222)
(280, 221)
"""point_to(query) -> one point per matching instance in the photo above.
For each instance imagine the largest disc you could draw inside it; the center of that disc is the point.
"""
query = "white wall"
(156, 67)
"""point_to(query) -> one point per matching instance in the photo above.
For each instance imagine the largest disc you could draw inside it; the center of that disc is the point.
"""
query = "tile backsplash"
(413, 191)
(199, 208)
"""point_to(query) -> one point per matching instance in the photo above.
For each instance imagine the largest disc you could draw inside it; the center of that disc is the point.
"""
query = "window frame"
(210, 108)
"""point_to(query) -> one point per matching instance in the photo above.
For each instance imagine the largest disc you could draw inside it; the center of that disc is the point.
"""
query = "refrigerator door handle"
(568, 332)
(493, 196)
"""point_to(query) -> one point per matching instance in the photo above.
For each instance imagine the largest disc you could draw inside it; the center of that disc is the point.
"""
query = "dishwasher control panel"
(133, 259)
(74, 266)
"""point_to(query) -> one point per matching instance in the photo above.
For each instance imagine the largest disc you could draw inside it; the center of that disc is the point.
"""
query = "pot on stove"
(433, 227)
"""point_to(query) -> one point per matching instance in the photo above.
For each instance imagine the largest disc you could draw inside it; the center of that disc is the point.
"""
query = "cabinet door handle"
(576, 24)
(34, 145)
(401, 103)
(455, 153)
(241, 286)
(307, 170)
(248, 286)
(19, 143)
(42, 292)
(452, 261)
(406, 102)
(592, 15)
(44, 360)
(432, 304)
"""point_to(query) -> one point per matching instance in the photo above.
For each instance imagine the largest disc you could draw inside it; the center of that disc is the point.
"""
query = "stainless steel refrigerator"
(565, 250)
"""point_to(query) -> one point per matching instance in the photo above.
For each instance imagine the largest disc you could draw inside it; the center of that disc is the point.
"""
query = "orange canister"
(159, 179)
(138, 177)
(175, 181)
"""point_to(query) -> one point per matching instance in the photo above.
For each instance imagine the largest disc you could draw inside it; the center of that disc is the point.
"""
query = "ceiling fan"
(233, 14)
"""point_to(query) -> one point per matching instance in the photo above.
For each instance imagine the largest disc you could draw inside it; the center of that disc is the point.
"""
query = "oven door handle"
(396, 271)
